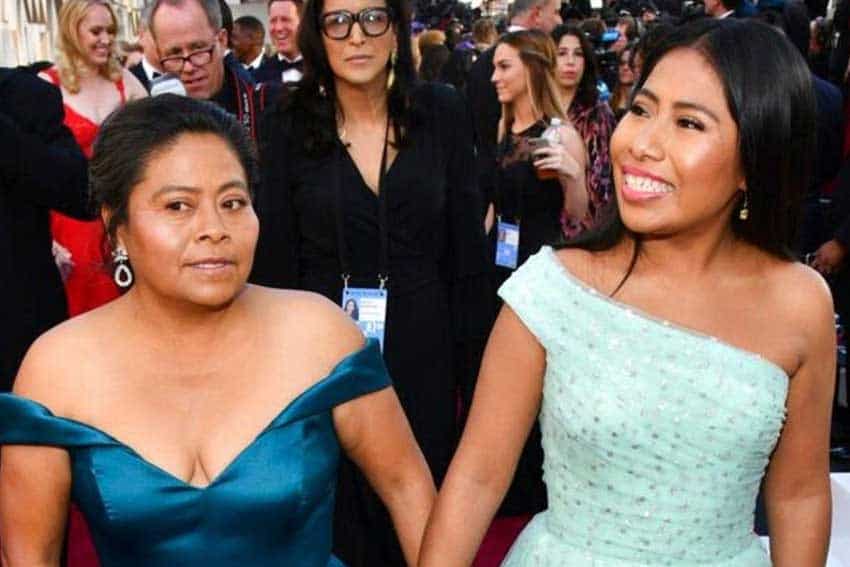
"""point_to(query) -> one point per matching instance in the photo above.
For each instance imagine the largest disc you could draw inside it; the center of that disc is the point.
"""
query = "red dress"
(89, 283)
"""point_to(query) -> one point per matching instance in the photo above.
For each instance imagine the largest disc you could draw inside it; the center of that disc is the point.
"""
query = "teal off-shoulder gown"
(271, 506)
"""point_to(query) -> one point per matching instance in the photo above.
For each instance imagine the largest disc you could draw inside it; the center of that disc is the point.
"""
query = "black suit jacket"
(41, 168)
(139, 71)
(486, 112)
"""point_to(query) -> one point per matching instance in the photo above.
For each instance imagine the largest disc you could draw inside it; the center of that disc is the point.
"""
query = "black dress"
(437, 316)
(538, 204)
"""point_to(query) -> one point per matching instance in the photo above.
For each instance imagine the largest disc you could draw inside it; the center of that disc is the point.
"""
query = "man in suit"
(191, 42)
(41, 168)
(247, 39)
(286, 65)
(148, 68)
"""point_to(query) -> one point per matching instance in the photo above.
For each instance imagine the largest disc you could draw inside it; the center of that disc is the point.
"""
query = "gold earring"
(391, 74)
(744, 213)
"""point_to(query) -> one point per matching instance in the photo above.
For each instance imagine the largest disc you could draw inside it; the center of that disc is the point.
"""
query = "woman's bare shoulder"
(308, 319)
(56, 365)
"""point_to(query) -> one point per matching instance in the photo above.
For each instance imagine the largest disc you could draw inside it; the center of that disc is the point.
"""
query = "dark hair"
(768, 89)
(130, 137)
(314, 122)
(586, 93)
(250, 24)
(434, 58)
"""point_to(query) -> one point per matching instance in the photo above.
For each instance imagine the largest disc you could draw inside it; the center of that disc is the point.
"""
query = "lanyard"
(383, 231)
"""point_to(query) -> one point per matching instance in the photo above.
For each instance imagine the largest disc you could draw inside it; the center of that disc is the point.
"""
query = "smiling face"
(677, 166)
(191, 229)
(570, 65)
(283, 27)
(182, 30)
(510, 76)
(359, 59)
(96, 35)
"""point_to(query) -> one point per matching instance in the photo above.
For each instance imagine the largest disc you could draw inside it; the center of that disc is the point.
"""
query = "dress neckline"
(279, 419)
(658, 321)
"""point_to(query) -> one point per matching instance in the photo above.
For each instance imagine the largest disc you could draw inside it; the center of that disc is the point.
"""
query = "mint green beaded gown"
(655, 437)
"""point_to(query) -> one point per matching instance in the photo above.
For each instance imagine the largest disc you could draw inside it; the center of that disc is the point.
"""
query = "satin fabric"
(272, 505)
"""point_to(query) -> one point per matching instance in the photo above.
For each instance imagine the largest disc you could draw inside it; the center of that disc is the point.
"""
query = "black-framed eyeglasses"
(373, 22)
(175, 63)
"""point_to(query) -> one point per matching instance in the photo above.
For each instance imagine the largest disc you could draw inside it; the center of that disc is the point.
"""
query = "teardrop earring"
(391, 74)
(744, 213)
(123, 274)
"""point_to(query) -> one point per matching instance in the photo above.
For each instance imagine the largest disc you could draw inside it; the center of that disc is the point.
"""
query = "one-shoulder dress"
(271, 506)
(655, 437)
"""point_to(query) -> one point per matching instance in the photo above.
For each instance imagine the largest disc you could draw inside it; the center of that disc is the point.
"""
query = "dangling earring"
(123, 275)
(391, 74)
(744, 213)
(322, 91)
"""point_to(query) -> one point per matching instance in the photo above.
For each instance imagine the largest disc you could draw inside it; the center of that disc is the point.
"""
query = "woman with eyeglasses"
(369, 188)
(93, 84)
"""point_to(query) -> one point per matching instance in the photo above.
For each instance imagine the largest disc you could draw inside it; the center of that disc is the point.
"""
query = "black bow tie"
(156, 75)
(287, 65)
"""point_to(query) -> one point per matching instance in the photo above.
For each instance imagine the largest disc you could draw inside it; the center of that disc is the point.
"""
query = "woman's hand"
(556, 157)
(829, 257)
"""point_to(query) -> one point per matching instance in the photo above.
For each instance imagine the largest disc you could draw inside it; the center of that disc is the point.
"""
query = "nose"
(357, 36)
(647, 143)
(211, 225)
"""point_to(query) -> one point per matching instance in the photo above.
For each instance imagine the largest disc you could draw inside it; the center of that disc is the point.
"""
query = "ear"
(221, 38)
(116, 241)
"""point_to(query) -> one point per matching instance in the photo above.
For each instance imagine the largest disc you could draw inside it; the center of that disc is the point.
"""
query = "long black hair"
(586, 93)
(768, 90)
(313, 100)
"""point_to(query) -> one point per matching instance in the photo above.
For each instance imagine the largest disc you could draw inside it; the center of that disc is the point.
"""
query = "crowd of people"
(415, 286)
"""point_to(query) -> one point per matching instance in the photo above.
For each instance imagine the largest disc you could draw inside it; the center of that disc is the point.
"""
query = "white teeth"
(646, 185)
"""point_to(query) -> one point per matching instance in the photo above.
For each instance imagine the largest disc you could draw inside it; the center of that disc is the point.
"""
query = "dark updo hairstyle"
(131, 135)
(768, 90)
(586, 93)
(314, 99)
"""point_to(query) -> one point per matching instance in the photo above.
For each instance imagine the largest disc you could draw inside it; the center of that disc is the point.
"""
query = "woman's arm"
(797, 492)
(569, 159)
(35, 482)
(374, 432)
(506, 402)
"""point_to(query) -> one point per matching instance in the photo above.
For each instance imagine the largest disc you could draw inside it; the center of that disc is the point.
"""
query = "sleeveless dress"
(89, 283)
(271, 506)
(655, 437)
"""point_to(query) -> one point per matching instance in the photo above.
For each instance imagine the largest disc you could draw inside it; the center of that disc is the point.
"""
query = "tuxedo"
(145, 73)
(277, 69)
(41, 168)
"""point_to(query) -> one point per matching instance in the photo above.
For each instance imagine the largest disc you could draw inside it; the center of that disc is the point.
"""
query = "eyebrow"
(232, 184)
(680, 104)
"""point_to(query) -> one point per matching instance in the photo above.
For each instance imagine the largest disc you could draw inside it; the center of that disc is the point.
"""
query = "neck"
(179, 323)
(363, 103)
(568, 94)
(521, 20)
(524, 116)
(253, 55)
(692, 254)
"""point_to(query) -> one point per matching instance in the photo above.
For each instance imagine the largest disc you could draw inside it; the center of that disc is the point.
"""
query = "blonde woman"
(93, 84)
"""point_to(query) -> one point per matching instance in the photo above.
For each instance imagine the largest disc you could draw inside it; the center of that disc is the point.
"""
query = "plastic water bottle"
(552, 135)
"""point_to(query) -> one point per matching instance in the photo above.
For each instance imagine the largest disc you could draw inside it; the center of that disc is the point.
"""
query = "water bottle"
(552, 135)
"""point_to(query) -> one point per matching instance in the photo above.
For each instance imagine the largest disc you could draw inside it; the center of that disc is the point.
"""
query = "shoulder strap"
(120, 85)
(358, 374)
(26, 422)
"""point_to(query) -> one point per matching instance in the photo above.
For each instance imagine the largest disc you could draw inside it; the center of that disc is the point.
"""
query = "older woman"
(196, 420)
(368, 192)
(93, 84)
(680, 356)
